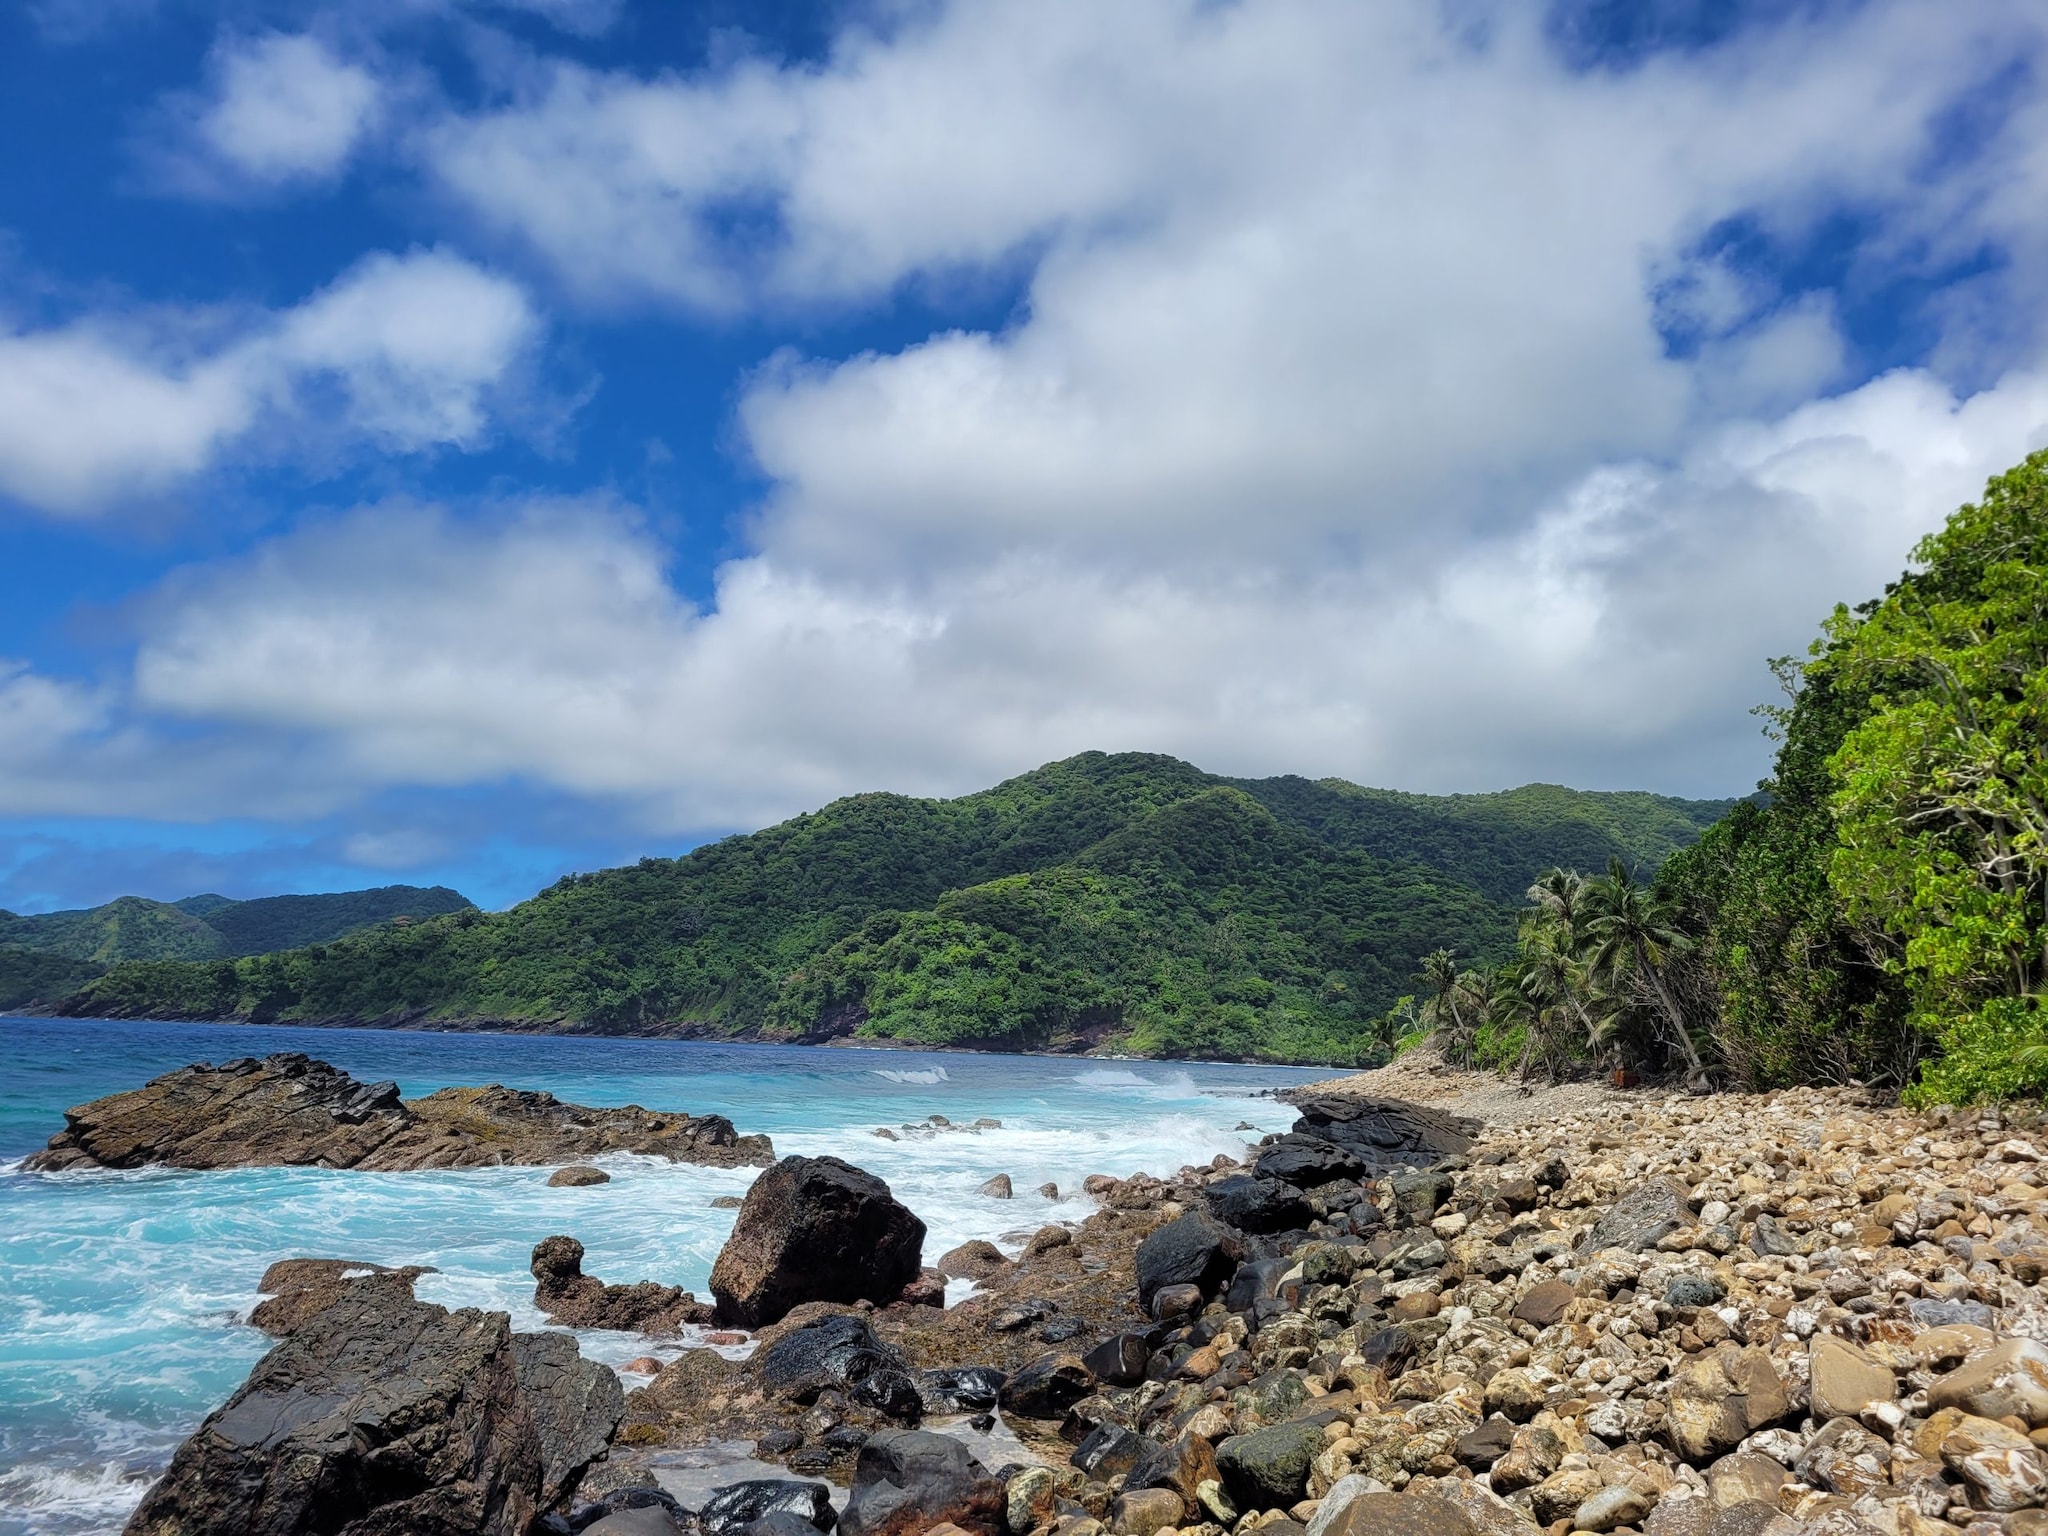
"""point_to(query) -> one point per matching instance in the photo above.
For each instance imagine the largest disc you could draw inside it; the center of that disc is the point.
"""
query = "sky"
(466, 441)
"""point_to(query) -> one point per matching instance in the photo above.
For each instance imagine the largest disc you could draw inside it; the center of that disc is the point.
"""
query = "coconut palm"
(1630, 932)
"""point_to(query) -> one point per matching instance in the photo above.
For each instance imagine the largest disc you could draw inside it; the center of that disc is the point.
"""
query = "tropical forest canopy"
(1128, 900)
(1875, 915)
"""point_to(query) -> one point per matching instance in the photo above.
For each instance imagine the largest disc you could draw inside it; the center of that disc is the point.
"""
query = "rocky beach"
(1439, 1304)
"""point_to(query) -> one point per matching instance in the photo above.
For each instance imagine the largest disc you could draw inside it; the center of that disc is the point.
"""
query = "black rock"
(1022, 1314)
(1269, 1468)
(891, 1392)
(778, 1442)
(1120, 1359)
(1195, 1249)
(845, 1437)
(1306, 1161)
(780, 1522)
(833, 1351)
(1047, 1387)
(1389, 1349)
(1257, 1205)
(731, 1509)
(1385, 1132)
(814, 1229)
(1694, 1290)
(1254, 1281)
(1062, 1329)
(624, 1500)
(1108, 1450)
(1484, 1444)
(909, 1480)
(960, 1389)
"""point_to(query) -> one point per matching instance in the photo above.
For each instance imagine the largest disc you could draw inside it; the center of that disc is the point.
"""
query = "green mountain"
(1126, 900)
(51, 954)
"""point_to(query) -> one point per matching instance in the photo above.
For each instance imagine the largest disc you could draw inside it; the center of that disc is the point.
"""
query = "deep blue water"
(122, 1295)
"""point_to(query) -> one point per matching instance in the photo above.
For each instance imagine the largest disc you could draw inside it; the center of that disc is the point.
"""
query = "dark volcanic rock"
(1306, 1161)
(960, 1389)
(831, 1352)
(1119, 1359)
(292, 1111)
(814, 1229)
(576, 1300)
(1047, 1387)
(1641, 1218)
(731, 1509)
(1195, 1249)
(1258, 1205)
(908, 1481)
(1109, 1449)
(384, 1414)
(1383, 1132)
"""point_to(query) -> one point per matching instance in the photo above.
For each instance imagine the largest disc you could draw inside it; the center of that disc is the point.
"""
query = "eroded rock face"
(289, 1110)
(815, 1229)
(1383, 1133)
(384, 1414)
(295, 1290)
(576, 1300)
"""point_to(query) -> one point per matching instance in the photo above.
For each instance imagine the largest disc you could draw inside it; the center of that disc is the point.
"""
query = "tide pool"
(123, 1296)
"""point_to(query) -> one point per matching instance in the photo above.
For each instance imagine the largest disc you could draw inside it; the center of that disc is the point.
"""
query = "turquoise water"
(122, 1295)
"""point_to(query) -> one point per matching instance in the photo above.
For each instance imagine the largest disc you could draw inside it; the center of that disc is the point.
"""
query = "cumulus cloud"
(283, 108)
(402, 353)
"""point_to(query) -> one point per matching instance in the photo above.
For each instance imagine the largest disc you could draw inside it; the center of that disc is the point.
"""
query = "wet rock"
(907, 1481)
(1049, 1191)
(396, 1415)
(1019, 1315)
(780, 1522)
(836, 1351)
(1843, 1379)
(2010, 1378)
(1047, 1387)
(1109, 1450)
(576, 1300)
(1119, 1360)
(577, 1176)
(891, 1393)
(297, 1289)
(997, 1188)
(731, 1509)
(1253, 1204)
(1268, 1468)
(814, 1229)
(1307, 1161)
(1172, 1301)
(1643, 1217)
(974, 1260)
(288, 1110)
(960, 1389)
(1195, 1249)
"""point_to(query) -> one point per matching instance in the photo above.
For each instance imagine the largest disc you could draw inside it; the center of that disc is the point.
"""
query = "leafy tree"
(1632, 934)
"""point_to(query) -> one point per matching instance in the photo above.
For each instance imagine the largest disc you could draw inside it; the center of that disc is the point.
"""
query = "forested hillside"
(1125, 899)
(50, 954)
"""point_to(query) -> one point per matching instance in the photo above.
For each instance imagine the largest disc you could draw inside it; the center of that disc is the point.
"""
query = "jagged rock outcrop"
(1382, 1133)
(382, 1414)
(290, 1110)
(815, 1229)
(576, 1300)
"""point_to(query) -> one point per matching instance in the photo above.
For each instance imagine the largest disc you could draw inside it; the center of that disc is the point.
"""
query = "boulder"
(1533, 1454)
(2010, 1378)
(1183, 1464)
(1641, 1218)
(1721, 1398)
(1047, 1387)
(1109, 1450)
(835, 1351)
(1419, 1196)
(577, 1176)
(976, 1260)
(576, 1300)
(1269, 1468)
(731, 1509)
(907, 1481)
(1843, 1380)
(1143, 1511)
(289, 1110)
(1400, 1514)
(1257, 1204)
(1544, 1303)
(814, 1229)
(297, 1289)
(1383, 1132)
(2008, 1471)
(1307, 1161)
(1195, 1249)
(388, 1414)
(1119, 1360)
(997, 1188)
(960, 1389)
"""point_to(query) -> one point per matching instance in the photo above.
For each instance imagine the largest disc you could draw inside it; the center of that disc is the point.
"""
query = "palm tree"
(1629, 929)
(1446, 1017)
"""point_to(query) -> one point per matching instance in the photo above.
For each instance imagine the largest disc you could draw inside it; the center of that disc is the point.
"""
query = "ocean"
(123, 1295)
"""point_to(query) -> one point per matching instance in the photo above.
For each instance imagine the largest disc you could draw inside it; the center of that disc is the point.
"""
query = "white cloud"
(288, 108)
(402, 352)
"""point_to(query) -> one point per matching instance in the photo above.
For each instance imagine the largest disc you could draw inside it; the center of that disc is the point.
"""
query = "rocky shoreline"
(289, 1110)
(1602, 1311)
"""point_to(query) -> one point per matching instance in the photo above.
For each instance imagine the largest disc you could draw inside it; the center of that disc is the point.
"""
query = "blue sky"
(453, 441)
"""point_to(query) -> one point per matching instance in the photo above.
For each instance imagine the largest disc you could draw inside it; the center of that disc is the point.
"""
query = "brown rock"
(997, 1188)
(814, 1229)
(1414, 1307)
(298, 1289)
(1561, 1493)
(1744, 1476)
(289, 1110)
(1719, 1399)
(1401, 1514)
(976, 1260)
(927, 1290)
(1143, 1511)
(2011, 1378)
(1545, 1304)
(1844, 1379)
(1535, 1453)
(2008, 1470)
(576, 1300)
(577, 1176)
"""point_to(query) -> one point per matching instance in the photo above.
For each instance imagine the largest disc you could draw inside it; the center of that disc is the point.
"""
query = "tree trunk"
(1696, 1069)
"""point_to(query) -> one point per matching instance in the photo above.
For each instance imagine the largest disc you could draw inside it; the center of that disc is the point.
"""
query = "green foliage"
(1942, 788)
(36, 976)
(212, 927)
(1127, 898)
